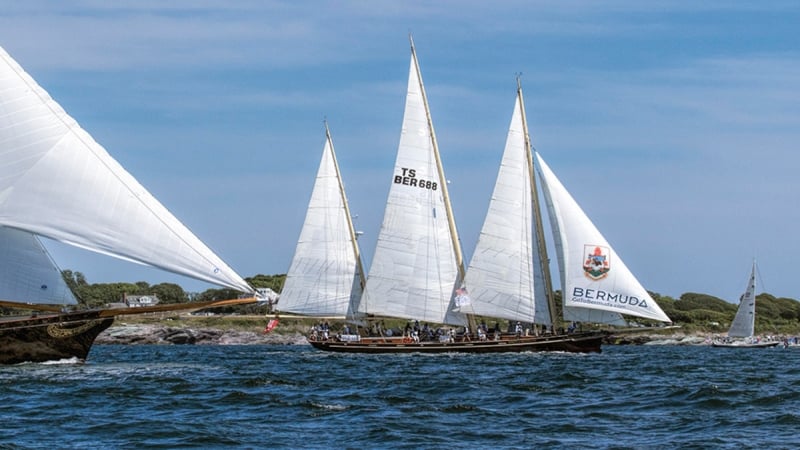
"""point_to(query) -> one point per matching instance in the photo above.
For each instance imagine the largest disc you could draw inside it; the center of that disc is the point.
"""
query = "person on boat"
(427, 333)
(326, 329)
(452, 335)
(481, 334)
(466, 337)
(518, 329)
(380, 328)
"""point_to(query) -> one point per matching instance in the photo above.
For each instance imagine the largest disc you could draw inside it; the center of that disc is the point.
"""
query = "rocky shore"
(159, 333)
(132, 334)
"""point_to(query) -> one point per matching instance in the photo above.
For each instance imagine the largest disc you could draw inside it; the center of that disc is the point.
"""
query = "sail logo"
(409, 178)
(604, 298)
(597, 263)
(461, 298)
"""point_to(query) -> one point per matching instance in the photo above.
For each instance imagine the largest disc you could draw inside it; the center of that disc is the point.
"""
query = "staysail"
(325, 277)
(593, 277)
(745, 321)
(28, 273)
(417, 261)
(56, 181)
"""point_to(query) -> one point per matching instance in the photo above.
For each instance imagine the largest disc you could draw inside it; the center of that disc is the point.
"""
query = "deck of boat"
(572, 343)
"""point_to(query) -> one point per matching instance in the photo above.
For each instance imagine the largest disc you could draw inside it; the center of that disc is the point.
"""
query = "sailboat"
(56, 181)
(742, 330)
(418, 272)
(326, 276)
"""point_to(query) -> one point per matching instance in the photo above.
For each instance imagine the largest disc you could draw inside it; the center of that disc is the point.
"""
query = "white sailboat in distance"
(743, 328)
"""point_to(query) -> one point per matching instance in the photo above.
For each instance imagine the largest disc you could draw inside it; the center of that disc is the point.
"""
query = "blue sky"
(675, 125)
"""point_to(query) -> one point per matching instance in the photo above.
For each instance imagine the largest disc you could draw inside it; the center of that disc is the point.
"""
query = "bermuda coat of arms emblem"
(597, 263)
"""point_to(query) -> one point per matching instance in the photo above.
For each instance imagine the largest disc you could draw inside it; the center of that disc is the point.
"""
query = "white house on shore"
(136, 301)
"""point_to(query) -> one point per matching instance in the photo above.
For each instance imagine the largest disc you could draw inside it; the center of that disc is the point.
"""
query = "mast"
(448, 209)
(440, 169)
(350, 226)
(537, 215)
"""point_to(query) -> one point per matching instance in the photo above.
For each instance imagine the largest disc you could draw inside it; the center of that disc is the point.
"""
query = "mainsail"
(417, 261)
(595, 283)
(500, 276)
(745, 321)
(325, 277)
(56, 181)
(28, 273)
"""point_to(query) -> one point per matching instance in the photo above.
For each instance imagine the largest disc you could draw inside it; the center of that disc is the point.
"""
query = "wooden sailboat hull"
(50, 337)
(571, 343)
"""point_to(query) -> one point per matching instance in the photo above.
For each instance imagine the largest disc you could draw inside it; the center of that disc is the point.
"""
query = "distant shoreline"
(173, 329)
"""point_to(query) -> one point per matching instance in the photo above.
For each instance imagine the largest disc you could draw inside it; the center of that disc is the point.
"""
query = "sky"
(675, 125)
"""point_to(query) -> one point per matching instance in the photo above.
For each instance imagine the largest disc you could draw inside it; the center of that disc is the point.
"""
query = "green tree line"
(692, 311)
(97, 295)
(706, 312)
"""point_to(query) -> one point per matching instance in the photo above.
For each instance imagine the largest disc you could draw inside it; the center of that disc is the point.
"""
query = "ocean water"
(261, 396)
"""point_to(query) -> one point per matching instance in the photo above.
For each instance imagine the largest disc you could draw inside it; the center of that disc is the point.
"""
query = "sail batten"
(57, 181)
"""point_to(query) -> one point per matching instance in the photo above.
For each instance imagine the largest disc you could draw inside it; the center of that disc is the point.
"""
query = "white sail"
(28, 274)
(593, 277)
(56, 181)
(414, 270)
(745, 321)
(500, 275)
(325, 277)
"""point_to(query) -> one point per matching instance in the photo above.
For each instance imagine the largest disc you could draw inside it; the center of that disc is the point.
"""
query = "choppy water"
(296, 397)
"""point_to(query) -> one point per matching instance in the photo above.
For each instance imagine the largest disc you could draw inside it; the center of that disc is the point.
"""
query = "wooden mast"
(448, 209)
(351, 229)
(450, 220)
(537, 215)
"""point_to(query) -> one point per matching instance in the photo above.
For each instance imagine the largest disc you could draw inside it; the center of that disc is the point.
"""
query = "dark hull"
(50, 337)
(572, 343)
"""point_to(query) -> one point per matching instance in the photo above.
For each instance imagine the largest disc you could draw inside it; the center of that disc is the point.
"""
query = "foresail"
(744, 323)
(414, 270)
(592, 274)
(323, 279)
(28, 273)
(56, 181)
(500, 274)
